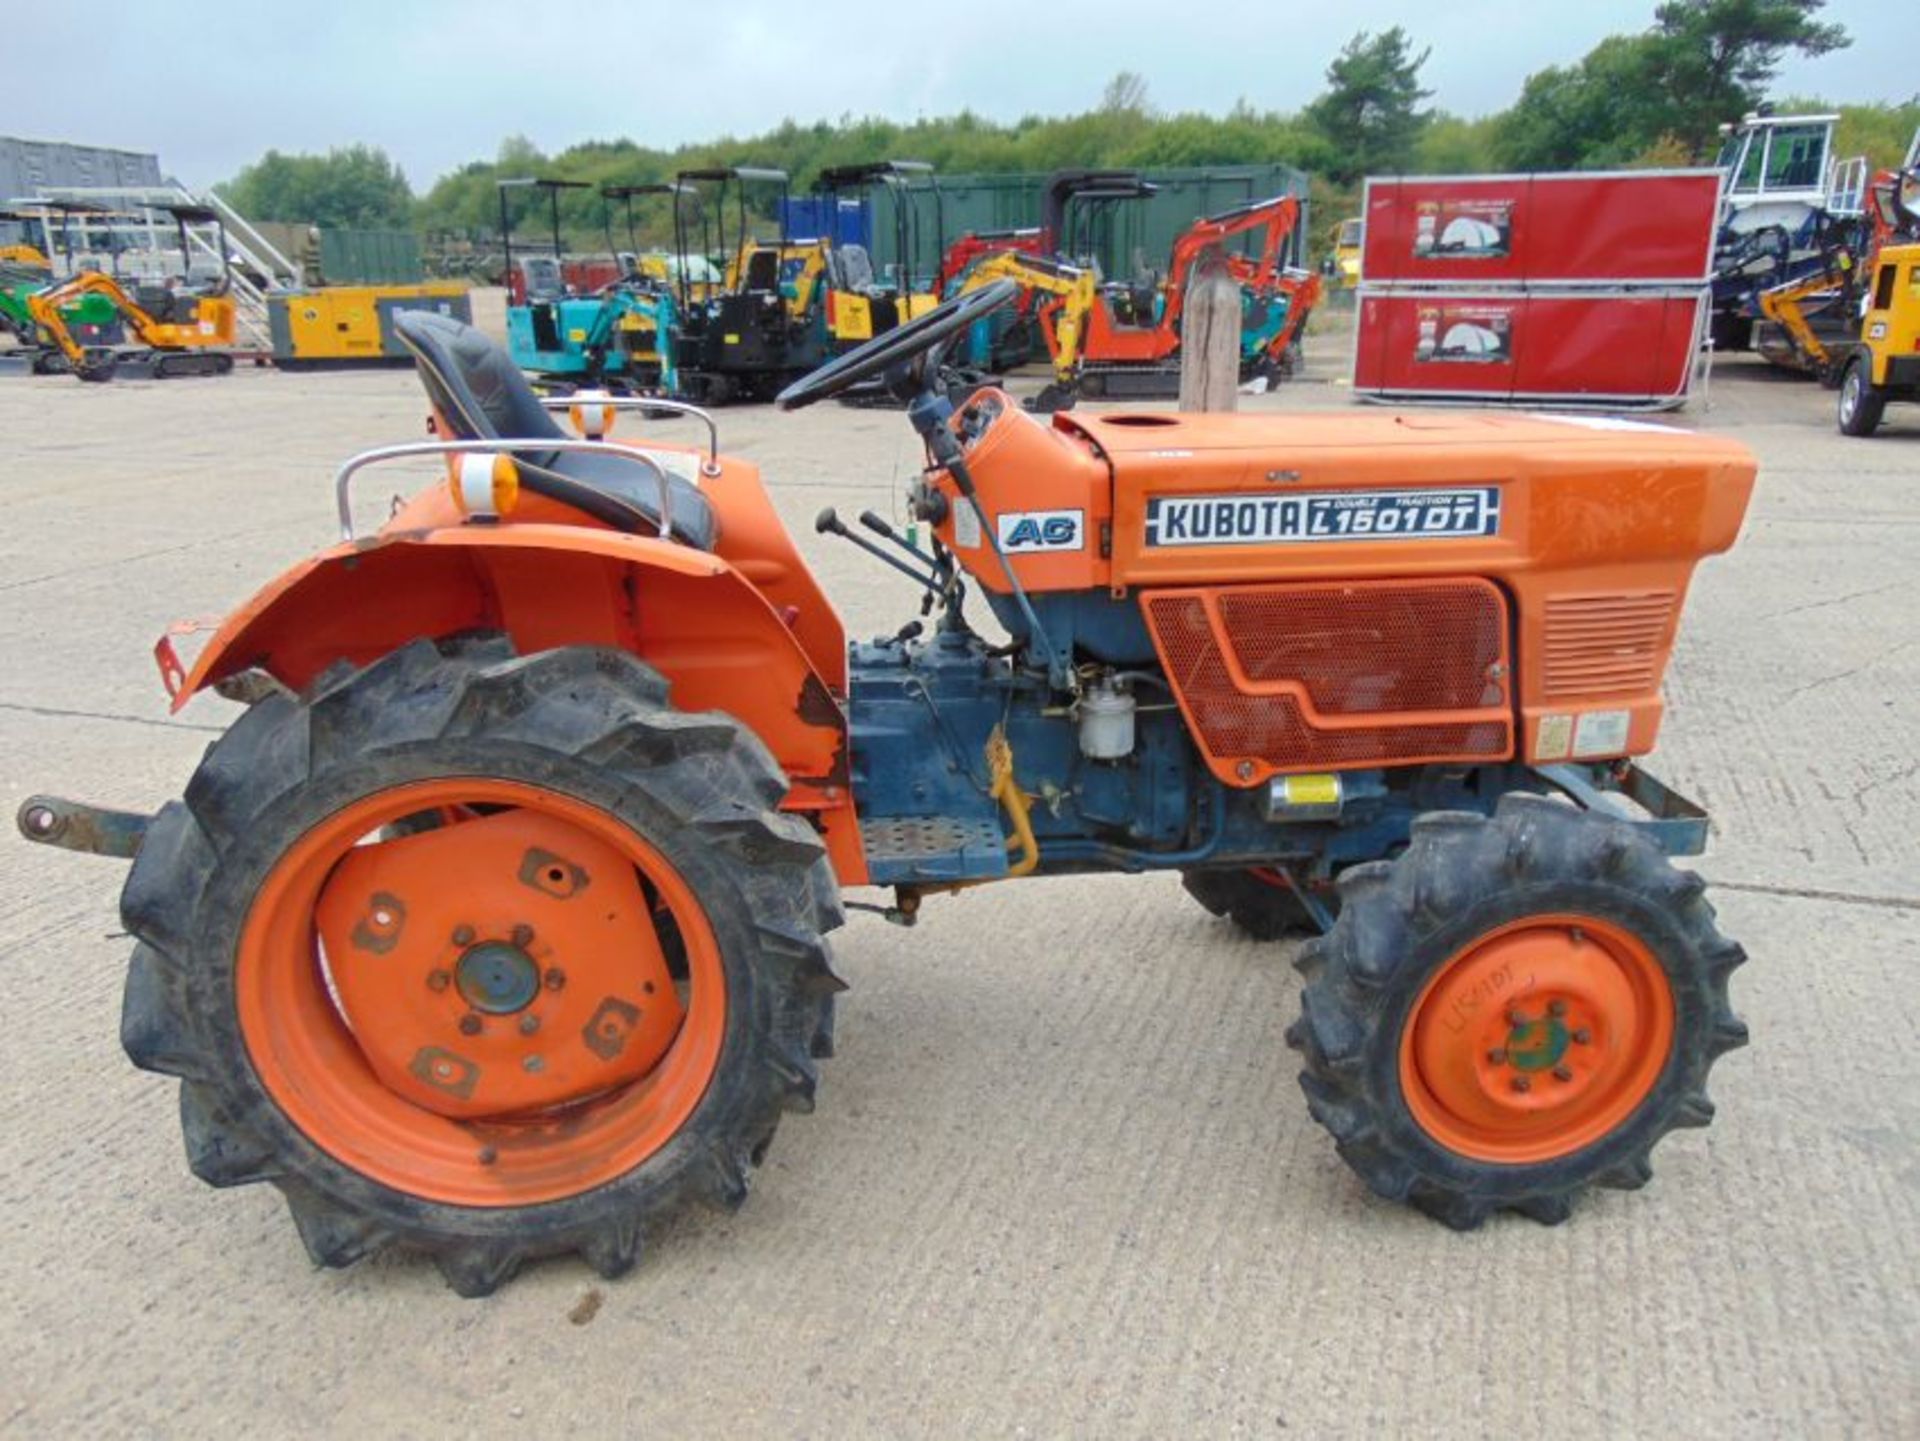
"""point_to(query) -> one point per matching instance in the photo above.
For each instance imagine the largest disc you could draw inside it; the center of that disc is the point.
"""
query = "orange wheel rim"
(480, 1014)
(1537, 1040)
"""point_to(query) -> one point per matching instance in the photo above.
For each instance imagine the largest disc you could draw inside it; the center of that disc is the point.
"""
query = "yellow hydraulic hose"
(1009, 794)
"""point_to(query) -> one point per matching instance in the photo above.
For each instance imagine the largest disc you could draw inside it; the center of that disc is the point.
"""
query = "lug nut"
(470, 1024)
(529, 1023)
(463, 935)
(523, 936)
(555, 978)
(1517, 1017)
(438, 980)
(532, 1063)
(487, 1156)
(1521, 1083)
(1556, 1008)
(1497, 1057)
(1563, 1073)
(1581, 1035)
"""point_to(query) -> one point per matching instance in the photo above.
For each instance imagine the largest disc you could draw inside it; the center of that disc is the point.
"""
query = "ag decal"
(1022, 531)
(1266, 519)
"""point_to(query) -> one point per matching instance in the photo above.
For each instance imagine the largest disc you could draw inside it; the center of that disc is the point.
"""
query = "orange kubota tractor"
(495, 926)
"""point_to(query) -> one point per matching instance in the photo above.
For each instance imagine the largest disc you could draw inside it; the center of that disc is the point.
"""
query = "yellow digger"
(1884, 364)
(1817, 315)
(182, 331)
(30, 256)
(1074, 289)
(188, 337)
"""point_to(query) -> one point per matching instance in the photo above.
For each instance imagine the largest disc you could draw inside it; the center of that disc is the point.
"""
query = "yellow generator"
(353, 324)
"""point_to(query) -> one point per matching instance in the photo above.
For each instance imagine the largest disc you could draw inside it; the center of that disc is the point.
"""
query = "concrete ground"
(1061, 1180)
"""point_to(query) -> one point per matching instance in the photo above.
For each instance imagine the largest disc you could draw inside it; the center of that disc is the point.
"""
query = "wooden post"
(1210, 336)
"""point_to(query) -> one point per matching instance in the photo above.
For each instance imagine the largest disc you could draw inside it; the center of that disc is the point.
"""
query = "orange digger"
(1121, 339)
(495, 925)
(1130, 338)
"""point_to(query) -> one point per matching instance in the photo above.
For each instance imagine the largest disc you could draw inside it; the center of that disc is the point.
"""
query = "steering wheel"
(898, 346)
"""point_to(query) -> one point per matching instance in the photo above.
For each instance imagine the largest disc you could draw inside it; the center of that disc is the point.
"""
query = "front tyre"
(1516, 1009)
(493, 957)
(1861, 402)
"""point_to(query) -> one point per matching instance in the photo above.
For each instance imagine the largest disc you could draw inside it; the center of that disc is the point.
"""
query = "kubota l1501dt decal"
(1266, 519)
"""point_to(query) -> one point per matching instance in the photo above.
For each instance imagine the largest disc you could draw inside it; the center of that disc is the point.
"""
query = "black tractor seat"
(481, 394)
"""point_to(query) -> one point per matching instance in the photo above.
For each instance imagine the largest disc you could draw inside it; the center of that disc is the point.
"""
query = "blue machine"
(623, 338)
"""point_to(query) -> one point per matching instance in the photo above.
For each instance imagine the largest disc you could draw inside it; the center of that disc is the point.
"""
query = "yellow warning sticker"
(731, 339)
(1554, 740)
(1322, 790)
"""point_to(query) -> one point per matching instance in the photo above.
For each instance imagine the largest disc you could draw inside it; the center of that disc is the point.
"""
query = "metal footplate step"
(903, 850)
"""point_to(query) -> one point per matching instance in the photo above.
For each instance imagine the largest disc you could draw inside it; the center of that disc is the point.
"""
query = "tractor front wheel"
(1518, 1008)
(488, 956)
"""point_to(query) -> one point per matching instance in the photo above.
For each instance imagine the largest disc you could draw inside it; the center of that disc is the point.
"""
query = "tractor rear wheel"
(1258, 900)
(488, 956)
(1516, 1009)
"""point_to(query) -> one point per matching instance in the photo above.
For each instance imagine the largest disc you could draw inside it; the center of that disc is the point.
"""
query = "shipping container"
(1127, 238)
(370, 257)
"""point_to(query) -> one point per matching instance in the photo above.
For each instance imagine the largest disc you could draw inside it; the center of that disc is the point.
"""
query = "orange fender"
(691, 615)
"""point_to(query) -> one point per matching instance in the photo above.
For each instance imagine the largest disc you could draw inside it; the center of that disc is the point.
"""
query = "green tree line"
(1655, 97)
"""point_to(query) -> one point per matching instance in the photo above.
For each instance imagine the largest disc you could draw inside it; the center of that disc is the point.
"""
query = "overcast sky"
(440, 82)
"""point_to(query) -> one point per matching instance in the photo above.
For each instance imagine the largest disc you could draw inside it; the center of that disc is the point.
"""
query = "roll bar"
(380, 455)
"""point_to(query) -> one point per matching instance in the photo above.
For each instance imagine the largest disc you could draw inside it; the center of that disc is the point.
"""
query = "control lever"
(828, 522)
(942, 564)
(879, 527)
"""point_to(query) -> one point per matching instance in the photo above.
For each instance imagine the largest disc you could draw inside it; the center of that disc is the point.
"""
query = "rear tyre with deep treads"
(238, 986)
(1258, 900)
(1516, 1009)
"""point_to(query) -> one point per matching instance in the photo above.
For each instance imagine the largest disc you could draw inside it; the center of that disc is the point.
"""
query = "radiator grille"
(1603, 645)
(1386, 672)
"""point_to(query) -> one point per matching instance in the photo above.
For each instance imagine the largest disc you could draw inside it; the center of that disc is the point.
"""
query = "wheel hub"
(1537, 1045)
(497, 965)
(497, 977)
